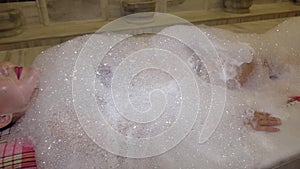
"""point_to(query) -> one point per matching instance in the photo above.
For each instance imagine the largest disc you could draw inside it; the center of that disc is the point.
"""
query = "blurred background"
(28, 27)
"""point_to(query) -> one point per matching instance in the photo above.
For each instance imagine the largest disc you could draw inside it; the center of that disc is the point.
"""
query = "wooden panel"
(39, 35)
(28, 9)
(23, 57)
(268, 1)
(72, 10)
(114, 8)
(188, 5)
(214, 4)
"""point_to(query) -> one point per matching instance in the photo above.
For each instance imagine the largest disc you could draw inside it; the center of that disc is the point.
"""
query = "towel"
(16, 154)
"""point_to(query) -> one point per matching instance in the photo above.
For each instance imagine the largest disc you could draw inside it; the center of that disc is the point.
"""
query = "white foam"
(61, 142)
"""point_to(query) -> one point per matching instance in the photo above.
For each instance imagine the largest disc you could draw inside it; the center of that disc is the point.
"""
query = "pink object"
(18, 71)
(293, 99)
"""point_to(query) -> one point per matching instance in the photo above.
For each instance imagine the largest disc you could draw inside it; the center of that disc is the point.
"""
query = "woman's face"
(17, 85)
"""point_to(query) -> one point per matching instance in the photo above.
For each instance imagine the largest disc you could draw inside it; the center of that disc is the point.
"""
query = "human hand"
(264, 122)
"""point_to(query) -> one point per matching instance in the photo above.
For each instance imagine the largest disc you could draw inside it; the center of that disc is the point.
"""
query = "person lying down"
(62, 140)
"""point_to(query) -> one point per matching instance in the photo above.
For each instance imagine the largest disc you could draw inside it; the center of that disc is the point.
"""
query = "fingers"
(266, 128)
(264, 122)
(258, 127)
(261, 114)
(276, 122)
